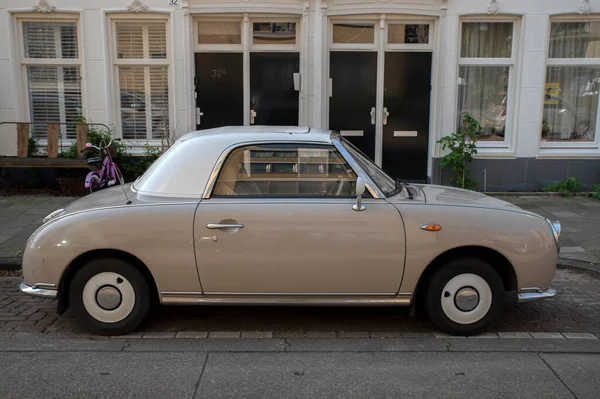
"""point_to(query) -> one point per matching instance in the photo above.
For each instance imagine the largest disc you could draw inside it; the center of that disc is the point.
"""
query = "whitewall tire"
(109, 296)
(465, 297)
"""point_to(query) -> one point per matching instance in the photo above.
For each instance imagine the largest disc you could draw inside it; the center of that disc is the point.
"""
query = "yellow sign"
(552, 91)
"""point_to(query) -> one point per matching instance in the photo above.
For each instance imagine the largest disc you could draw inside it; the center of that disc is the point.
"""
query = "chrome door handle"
(385, 115)
(198, 115)
(252, 116)
(225, 226)
(372, 113)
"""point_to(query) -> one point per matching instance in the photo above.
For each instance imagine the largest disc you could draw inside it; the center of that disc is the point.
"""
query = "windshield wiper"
(401, 183)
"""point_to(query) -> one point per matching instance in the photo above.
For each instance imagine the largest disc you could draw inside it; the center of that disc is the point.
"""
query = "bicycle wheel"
(94, 184)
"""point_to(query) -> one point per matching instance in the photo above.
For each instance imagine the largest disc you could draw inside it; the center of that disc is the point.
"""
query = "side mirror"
(360, 189)
(88, 145)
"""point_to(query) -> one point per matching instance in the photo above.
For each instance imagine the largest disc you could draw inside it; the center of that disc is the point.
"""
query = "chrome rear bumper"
(35, 291)
(535, 294)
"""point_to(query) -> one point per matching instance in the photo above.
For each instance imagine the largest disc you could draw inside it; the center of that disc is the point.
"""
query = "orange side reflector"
(431, 227)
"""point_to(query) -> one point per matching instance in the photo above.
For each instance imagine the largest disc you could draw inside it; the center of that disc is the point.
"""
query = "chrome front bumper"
(36, 291)
(535, 294)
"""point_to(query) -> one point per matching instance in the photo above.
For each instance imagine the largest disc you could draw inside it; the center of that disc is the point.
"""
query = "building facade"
(393, 76)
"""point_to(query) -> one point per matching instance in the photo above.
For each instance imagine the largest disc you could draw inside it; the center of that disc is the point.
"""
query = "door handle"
(225, 226)
(198, 115)
(252, 116)
(372, 113)
(385, 115)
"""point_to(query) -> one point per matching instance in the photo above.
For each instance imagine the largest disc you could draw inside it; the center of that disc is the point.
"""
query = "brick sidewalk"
(575, 310)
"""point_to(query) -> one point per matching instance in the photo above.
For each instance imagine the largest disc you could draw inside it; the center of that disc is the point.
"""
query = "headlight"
(555, 226)
(53, 215)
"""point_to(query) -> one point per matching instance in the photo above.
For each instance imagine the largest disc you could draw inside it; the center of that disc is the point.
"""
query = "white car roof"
(184, 170)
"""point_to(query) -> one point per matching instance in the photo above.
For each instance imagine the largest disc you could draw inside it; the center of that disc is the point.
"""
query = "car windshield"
(385, 183)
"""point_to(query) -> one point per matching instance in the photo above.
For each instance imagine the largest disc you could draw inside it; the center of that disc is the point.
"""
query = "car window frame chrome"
(369, 183)
(212, 179)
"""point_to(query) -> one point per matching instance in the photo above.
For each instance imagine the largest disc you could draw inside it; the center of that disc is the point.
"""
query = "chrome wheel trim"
(466, 284)
(102, 281)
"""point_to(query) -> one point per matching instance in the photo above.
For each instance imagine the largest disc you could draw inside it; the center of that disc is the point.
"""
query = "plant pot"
(72, 186)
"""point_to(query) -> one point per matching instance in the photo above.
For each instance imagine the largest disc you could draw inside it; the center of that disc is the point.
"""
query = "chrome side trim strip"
(535, 294)
(302, 301)
(46, 285)
(34, 291)
(311, 294)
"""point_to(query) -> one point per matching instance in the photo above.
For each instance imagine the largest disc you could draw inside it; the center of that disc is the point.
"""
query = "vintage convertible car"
(275, 215)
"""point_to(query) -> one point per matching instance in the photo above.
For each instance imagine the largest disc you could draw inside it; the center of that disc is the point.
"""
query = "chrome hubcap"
(466, 299)
(108, 297)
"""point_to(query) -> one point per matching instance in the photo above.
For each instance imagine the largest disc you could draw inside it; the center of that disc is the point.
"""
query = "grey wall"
(524, 174)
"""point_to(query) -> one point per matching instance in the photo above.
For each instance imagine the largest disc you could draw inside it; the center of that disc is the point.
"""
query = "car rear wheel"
(109, 296)
(465, 296)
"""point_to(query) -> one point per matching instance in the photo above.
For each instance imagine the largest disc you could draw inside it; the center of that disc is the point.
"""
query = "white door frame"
(246, 47)
(380, 45)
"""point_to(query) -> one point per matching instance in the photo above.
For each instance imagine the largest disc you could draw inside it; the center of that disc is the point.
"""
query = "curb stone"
(261, 335)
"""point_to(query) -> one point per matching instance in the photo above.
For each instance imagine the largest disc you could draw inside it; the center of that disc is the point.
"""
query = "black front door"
(406, 97)
(219, 90)
(353, 97)
(273, 97)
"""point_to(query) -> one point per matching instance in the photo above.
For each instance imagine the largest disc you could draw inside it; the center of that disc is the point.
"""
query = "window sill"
(559, 153)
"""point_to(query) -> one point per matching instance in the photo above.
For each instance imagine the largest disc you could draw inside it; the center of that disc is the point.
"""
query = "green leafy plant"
(462, 146)
(569, 186)
(596, 193)
(32, 147)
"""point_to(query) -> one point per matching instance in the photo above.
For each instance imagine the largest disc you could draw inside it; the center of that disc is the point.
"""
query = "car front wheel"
(465, 297)
(109, 296)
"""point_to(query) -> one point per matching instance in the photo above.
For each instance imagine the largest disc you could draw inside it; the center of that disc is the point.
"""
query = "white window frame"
(66, 62)
(144, 62)
(595, 62)
(511, 63)
(247, 46)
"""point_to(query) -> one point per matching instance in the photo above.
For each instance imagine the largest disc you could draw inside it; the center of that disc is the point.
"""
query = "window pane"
(570, 103)
(487, 39)
(219, 32)
(50, 39)
(274, 33)
(133, 102)
(483, 92)
(353, 33)
(575, 40)
(286, 170)
(408, 34)
(54, 96)
(159, 98)
(130, 40)
(157, 41)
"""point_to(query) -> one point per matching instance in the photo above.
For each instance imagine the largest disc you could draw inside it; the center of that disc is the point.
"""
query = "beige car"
(296, 216)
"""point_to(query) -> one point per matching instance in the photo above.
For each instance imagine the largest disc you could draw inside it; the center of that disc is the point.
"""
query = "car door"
(280, 221)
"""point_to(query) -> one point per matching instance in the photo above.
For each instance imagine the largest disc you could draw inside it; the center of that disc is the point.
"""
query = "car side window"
(285, 170)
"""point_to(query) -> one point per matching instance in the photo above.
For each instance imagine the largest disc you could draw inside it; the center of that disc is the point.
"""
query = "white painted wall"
(98, 88)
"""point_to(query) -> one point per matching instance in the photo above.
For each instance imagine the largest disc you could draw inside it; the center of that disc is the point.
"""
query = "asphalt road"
(303, 368)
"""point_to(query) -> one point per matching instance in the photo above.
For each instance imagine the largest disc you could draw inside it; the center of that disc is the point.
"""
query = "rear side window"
(285, 170)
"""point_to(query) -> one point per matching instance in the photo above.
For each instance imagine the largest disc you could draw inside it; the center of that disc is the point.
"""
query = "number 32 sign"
(174, 3)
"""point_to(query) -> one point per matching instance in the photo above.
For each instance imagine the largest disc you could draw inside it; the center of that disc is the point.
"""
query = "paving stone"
(224, 334)
(159, 335)
(485, 335)
(547, 335)
(570, 250)
(320, 334)
(444, 335)
(257, 334)
(579, 335)
(518, 335)
(192, 334)
(353, 334)
(383, 335)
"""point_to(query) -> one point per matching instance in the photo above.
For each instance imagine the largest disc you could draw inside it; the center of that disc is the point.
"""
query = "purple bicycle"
(108, 175)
